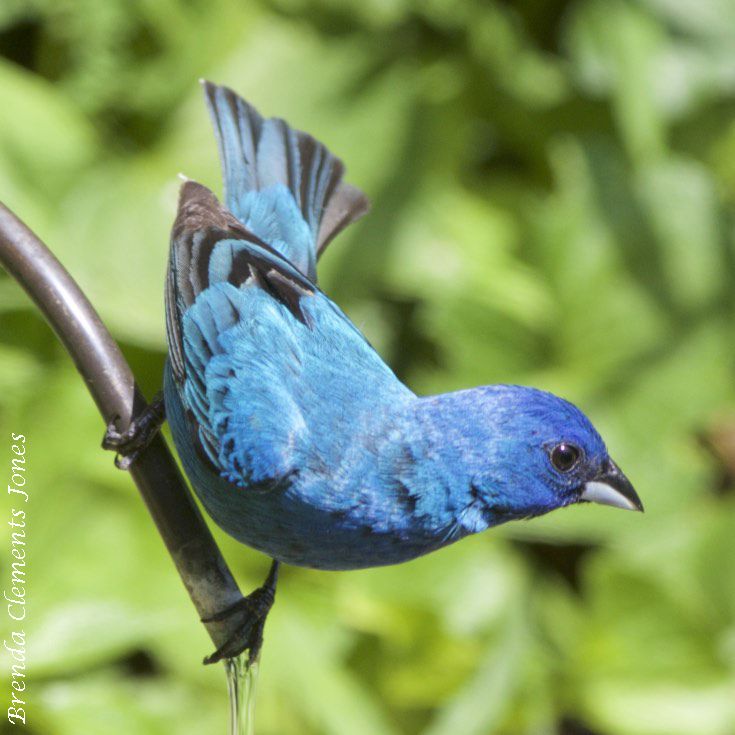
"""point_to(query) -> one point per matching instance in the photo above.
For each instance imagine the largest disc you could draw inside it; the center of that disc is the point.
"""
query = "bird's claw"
(129, 443)
(253, 611)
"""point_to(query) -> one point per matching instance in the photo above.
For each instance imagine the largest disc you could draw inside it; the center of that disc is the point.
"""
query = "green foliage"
(552, 188)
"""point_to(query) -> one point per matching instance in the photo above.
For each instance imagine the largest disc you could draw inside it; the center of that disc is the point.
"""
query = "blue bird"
(298, 439)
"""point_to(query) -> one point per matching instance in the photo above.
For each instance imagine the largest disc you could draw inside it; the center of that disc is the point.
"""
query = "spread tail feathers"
(282, 184)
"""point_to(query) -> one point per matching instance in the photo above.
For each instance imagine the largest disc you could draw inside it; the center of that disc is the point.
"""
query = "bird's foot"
(252, 610)
(129, 444)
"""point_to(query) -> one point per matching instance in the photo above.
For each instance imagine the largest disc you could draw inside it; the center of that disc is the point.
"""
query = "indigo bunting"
(296, 436)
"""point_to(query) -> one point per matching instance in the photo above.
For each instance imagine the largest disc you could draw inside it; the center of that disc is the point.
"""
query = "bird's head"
(531, 452)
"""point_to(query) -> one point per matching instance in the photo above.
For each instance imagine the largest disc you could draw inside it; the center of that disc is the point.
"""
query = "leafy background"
(553, 188)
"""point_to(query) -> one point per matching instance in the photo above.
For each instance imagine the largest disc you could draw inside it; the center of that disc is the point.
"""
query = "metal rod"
(98, 359)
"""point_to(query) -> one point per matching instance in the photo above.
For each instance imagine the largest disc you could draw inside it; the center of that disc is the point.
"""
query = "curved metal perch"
(98, 359)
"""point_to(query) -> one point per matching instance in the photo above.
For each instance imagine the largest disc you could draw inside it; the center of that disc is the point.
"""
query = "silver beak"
(612, 487)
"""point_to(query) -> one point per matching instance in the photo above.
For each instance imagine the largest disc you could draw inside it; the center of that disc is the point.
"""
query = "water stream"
(242, 683)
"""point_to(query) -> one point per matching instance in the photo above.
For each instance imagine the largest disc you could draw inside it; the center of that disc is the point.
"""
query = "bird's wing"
(281, 183)
(200, 226)
(263, 361)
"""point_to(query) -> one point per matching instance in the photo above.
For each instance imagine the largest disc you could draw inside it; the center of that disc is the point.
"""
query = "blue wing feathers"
(247, 327)
(256, 382)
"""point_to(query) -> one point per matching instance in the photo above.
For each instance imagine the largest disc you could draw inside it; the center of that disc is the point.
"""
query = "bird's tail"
(282, 184)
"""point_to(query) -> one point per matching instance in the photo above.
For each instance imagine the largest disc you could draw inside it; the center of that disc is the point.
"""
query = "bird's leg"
(253, 610)
(138, 436)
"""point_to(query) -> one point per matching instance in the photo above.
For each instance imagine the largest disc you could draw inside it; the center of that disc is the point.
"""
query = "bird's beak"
(612, 487)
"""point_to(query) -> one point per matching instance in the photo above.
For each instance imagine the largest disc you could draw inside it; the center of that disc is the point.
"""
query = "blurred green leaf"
(552, 188)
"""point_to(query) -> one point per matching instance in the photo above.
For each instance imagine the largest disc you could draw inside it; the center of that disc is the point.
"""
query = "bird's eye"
(565, 456)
